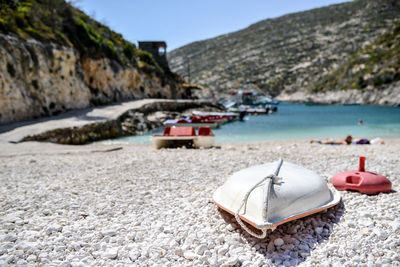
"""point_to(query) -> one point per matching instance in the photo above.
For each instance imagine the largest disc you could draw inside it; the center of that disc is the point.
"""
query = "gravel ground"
(86, 206)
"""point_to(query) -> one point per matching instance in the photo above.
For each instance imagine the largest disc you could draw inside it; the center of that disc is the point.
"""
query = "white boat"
(271, 194)
(213, 125)
(187, 122)
(222, 114)
(184, 136)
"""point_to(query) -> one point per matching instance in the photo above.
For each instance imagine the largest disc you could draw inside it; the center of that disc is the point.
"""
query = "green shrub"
(88, 36)
(111, 48)
(129, 50)
(146, 57)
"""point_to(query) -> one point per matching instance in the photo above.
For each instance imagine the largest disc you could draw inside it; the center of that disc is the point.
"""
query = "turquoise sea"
(299, 121)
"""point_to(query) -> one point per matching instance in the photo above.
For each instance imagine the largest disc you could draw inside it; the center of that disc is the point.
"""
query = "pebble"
(155, 208)
(319, 230)
(9, 238)
(213, 261)
(111, 253)
(31, 258)
(222, 251)
(109, 232)
(179, 252)
(395, 226)
(134, 255)
(201, 249)
(189, 255)
(278, 242)
(381, 234)
(232, 261)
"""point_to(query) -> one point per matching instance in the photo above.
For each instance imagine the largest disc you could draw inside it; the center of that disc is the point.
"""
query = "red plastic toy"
(362, 181)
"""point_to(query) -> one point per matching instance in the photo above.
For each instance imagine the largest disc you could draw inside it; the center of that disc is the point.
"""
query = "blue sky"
(180, 22)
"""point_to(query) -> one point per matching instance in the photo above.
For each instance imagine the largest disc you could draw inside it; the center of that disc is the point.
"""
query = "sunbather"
(348, 141)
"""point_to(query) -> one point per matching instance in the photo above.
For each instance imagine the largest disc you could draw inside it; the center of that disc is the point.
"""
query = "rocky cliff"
(78, 63)
(290, 55)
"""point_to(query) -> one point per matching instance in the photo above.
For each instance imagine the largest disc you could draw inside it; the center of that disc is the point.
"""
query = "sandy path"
(16, 131)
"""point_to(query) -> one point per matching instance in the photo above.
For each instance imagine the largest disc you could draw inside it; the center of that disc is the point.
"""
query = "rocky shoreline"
(387, 97)
(134, 121)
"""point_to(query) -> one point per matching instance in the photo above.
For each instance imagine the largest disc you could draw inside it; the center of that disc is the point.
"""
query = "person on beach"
(348, 141)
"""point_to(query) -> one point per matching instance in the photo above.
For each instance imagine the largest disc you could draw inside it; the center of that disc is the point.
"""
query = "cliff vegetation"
(374, 66)
(59, 22)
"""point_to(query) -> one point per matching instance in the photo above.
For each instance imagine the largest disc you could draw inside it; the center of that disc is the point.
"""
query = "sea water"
(299, 121)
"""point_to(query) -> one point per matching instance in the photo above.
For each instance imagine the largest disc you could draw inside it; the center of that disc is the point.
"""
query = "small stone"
(363, 231)
(223, 250)
(11, 218)
(31, 258)
(232, 260)
(134, 255)
(319, 230)
(304, 254)
(53, 228)
(278, 242)
(108, 232)
(200, 249)
(381, 234)
(351, 224)
(365, 214)
(179, 252)
(189, 255)
(367, 222)
(213, 261)
(46, 212)
(111, 253)
(271, 246)
(9, 238)
(65, 264)
(243, 258)
(230, 228)
(247, 264)
(395, 226)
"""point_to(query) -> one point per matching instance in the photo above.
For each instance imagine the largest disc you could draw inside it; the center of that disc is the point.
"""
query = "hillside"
(288, 54)
(57, 58)
(374, 66)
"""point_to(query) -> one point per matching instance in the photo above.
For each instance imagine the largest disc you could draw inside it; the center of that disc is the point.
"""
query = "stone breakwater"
(42, 79)
(83, 206)
(131, 122)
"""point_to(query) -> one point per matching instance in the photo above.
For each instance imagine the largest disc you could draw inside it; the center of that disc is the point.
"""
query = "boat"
(217, 115)
(173, 137)
(252, 110)
(196, 121)
(268, 195)
(253, 97)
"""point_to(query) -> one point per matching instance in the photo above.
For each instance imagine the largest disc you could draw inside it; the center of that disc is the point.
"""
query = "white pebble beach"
(94, 206)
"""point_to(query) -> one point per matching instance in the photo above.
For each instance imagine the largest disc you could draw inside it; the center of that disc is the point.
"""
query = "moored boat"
(197, 121)
(217, 115)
